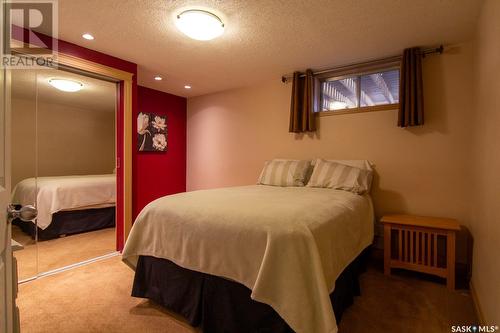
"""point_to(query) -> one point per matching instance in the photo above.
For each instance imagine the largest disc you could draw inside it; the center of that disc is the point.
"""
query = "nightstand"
(422, 244)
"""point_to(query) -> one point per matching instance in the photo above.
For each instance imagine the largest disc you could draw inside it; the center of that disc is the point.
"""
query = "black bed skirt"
(219, 305)
(72, 222)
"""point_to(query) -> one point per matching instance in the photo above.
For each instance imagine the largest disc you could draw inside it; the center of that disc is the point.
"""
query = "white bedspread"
(287, 244)
(54, 194)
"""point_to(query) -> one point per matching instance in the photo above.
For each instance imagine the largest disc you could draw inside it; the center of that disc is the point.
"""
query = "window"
(357, 92)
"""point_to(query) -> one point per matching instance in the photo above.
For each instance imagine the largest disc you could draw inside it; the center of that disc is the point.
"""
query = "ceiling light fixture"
(158, 78)
(199, 24)
(88, 36)
(66, 85)
(187, 86)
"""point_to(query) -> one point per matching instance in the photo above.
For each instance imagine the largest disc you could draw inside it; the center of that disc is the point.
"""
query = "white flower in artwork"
(142, 123)
(159, 123)
(142, 128)
(160, 141)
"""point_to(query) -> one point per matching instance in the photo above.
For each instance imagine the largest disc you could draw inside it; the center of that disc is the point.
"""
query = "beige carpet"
(96, 298)
(92, 298)
(60, 252)
(406, 302)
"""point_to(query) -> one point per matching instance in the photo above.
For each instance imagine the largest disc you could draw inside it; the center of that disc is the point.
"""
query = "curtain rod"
(438, 50)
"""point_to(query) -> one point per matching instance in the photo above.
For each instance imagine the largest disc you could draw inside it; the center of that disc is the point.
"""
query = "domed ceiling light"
(199, 24)
(66, 85)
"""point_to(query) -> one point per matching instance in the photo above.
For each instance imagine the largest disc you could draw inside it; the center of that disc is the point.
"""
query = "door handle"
(25, 213)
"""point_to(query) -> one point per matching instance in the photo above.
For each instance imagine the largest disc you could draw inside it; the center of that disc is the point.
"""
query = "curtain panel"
(302, 117)
(411, 95)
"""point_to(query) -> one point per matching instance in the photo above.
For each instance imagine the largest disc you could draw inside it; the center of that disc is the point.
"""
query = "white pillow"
(340, 176)
(281, 172)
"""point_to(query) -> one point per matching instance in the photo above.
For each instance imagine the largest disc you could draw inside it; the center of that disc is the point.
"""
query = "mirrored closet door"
(63, 161)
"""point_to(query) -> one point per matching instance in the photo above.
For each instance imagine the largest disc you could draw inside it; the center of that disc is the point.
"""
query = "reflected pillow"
(280, 172)
(331, 174)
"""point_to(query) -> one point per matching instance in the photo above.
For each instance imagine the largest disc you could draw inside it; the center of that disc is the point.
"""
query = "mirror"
(63, 130)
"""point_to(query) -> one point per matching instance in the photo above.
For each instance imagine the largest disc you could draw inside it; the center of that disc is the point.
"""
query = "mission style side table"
(422, 244)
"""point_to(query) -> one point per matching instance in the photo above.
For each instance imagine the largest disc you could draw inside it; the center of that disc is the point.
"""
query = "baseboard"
(477, 305)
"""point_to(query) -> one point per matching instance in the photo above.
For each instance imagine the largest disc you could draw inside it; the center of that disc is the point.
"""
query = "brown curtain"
(411, 95)
(301, 110)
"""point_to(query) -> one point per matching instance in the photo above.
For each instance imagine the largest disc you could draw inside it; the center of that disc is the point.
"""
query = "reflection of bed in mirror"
(67, 204)
(57, 135)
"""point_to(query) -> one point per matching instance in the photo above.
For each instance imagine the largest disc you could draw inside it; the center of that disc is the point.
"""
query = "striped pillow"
(338, 176)
(284, 173)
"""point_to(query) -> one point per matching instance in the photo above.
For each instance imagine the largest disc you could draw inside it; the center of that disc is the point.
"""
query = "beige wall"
(486, 191)
(71, 141)
(421, 170)
(449, 167)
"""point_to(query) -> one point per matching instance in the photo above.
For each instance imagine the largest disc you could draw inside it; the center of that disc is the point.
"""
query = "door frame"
(124, 100)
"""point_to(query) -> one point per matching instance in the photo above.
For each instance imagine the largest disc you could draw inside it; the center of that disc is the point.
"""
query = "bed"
(67, 204)
(273, 252)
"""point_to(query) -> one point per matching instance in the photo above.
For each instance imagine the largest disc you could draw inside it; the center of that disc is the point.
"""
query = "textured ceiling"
(96, 95)
(263, 39)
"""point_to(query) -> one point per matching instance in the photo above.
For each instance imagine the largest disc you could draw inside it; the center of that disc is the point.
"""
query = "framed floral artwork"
(151, 132)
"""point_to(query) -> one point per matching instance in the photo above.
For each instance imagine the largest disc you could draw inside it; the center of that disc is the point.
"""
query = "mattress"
(54, 194)
(287, 245)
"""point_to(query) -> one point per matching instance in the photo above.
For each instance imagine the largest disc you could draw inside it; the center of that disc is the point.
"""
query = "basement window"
(358, 91)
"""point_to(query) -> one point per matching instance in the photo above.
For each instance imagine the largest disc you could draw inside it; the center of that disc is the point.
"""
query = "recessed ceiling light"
(199, 24)
(66, 85)
(158, 78)
(187, 86)
(88, 36)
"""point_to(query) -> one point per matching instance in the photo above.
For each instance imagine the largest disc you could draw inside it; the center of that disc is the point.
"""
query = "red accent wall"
(154, 174)
(110, 61)
(157, 174)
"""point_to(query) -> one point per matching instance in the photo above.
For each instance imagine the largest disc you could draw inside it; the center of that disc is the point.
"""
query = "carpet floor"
(96, 298)
(47, 255)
